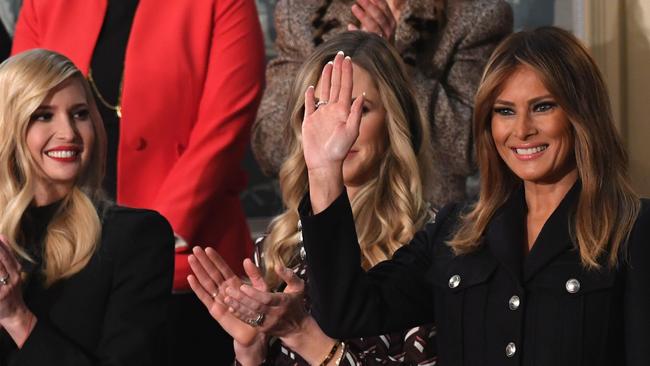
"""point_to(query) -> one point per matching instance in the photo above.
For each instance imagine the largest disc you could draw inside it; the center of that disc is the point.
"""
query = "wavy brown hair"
(607, 206)
(72, 236)
(388, 209)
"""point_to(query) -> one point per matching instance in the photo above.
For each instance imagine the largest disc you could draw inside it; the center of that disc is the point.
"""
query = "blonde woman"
(383, 173)
(550, 267)
(82, 282)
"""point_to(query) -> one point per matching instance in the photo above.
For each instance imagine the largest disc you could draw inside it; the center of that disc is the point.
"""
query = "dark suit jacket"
(566, 315)
(114, 311)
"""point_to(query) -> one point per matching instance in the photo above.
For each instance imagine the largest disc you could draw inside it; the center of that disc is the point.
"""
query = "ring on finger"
(320, 103)
(4, 280)
(257, 321)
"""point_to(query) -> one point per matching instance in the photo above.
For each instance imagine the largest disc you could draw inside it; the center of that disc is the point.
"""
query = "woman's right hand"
(210, 279)
(330, 130)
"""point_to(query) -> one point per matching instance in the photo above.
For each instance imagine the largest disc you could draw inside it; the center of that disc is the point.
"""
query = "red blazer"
(193, 77)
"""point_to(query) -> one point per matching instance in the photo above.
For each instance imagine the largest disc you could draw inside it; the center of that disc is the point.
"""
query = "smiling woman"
(82, 281)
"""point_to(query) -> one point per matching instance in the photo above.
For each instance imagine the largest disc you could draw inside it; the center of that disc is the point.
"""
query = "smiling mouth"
(530, 150)
(65, 155)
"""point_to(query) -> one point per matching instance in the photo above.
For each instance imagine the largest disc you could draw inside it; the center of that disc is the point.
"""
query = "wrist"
(309, 341)
(324, 187)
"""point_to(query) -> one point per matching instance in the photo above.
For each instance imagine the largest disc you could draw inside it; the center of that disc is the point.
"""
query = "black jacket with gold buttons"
(495, 306)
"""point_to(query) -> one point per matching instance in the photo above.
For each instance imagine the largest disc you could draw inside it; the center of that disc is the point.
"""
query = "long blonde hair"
(607, 207)
(73, 234)
(388, 209)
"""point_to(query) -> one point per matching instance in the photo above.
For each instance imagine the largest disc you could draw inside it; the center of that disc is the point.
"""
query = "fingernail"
(310, 87)
(364, 94)
(348, 58)
(330, 63)
(340, 53)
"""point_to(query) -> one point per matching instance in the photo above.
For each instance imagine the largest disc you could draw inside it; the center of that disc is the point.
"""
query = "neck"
(44, 196)
(543, 198)
(352, 191)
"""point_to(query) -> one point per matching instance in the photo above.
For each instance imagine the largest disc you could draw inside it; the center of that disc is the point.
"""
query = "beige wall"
(618, 33)
(637, 60)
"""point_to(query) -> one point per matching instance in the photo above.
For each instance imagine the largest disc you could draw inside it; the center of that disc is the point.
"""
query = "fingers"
(310, 102)
(354, 119)
(375, 16)
(9, 262)
(294, 283)
(218, 261)
(202, 276)
(201, 292)
(345, 95)
(251, 298)
(335, 87)
(255, 275)
(326, 81)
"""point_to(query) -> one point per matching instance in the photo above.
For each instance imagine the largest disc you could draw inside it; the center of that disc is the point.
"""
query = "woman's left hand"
(15, 317)
(283, 312)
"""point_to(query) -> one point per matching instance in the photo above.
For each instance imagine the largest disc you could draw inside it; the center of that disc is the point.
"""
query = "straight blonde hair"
(607, 206)
(388, 209)
(26, 80)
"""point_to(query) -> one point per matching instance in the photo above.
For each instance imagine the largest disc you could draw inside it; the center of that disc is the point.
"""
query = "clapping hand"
(376, 17)
(282, 312)
(209, 282)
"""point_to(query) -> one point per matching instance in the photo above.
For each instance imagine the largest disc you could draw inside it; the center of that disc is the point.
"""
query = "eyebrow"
(47, 106)
(530, 101)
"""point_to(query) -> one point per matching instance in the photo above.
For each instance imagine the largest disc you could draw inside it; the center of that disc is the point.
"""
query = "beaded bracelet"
(330, 355)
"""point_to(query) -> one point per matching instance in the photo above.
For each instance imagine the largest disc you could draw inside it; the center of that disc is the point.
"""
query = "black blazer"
(113, 312)
(494, 306)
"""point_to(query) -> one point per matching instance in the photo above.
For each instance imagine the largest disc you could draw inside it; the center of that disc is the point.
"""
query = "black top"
(493, 306)
(113, 311)
(107, 66)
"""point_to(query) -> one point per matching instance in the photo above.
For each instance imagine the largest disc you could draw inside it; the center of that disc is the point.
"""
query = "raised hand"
(376, 17)
(283, 312)
(15, 317)
(330, 130)
(209, 282)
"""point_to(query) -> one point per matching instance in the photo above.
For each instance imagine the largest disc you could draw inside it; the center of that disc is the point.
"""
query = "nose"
(524, 127)
(66, 129)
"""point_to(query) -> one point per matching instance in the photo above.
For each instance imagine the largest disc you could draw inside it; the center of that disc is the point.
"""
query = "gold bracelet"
(330, 355)
(338, 361)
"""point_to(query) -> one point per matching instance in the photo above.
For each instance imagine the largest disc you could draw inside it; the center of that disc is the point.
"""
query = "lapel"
(555, 237)
(505, 233)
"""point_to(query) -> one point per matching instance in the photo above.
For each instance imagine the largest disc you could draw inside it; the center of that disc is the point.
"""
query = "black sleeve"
(134, 325)
(350, 303)
(637, 292)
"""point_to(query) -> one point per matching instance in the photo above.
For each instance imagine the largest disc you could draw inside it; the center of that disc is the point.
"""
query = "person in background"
(178, 86)
(549, 267)
(82, 281)
(8, 13)
(444, 44)
(384, 173)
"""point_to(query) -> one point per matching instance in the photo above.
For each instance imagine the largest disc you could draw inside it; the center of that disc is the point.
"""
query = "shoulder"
(131, 228)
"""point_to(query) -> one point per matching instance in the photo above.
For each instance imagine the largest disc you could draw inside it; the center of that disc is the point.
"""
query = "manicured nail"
(348, 58)
(340, 53)
(330, 63)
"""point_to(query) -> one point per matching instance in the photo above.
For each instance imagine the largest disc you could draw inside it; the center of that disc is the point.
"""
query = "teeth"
(62, 154)
(531, 150)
